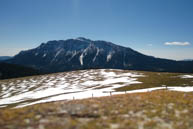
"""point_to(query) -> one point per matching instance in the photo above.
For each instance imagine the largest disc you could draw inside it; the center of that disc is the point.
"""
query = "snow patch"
(58, 52)
(81, 59)
(64, 86)
(82, 39)
(44, 55)
(109, 56)
(187, 76)
(96, 55)
(72, 85)
(73, 54)
(182, 89)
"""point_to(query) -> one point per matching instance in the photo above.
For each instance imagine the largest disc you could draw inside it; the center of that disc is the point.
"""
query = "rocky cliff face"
(82, 53)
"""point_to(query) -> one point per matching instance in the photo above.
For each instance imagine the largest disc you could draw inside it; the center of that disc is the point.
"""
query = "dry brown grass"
(158, 109)
(155, 79)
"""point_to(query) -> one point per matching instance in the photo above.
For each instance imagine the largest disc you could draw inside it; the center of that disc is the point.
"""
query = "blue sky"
(162, 28)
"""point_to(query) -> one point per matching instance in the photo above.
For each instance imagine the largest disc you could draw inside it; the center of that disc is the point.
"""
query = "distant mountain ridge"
(187, 60)
(2, 58)
(82, 53)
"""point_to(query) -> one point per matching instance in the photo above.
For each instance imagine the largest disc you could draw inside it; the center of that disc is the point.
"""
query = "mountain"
(82, 53)
(187, 60)
(13, 71)
(2, 58)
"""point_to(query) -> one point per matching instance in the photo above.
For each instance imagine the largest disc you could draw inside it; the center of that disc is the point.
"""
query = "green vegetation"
(161, 109)
(149, 80)
(155, 79)
(153, 110)
(14, 71)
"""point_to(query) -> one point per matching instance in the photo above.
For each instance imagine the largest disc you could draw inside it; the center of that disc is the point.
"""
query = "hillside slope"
(81, 84)
(152, 110)
(13, 71)
(2, 58)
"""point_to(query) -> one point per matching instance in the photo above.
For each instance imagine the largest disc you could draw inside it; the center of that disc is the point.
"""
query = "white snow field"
(72, 85)
(64, 86)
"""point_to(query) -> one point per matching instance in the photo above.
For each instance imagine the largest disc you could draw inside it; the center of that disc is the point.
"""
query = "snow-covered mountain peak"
(83, 39)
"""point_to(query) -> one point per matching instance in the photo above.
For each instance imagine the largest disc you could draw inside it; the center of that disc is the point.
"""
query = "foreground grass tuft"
(158, 109)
